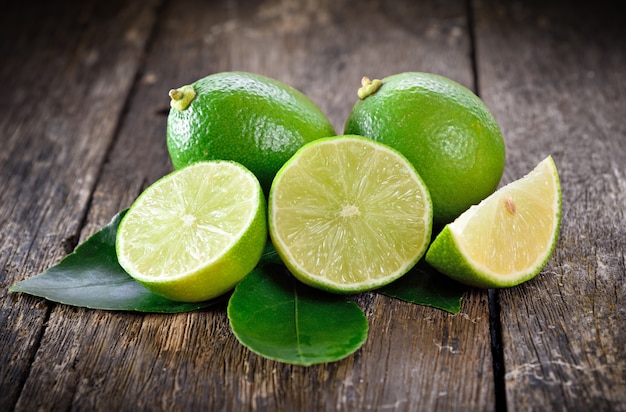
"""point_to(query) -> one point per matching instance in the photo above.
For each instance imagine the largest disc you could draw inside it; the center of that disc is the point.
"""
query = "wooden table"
(82, 125)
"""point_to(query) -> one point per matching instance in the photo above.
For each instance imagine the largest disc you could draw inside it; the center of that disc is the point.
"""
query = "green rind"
(318, 282)
(249, 118)
(224, 273)
(446, 256)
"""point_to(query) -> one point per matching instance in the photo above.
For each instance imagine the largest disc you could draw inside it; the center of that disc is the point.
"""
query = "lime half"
(348, 214)
(506, 239)
(195, 233)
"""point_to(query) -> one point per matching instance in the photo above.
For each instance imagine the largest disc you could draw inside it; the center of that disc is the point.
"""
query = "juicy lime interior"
(513, 230)
(187, 220)
(349, 214)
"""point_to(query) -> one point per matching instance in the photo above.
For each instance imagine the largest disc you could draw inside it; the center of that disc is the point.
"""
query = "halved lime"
(507, 238)
(348, 214)
(195, 233)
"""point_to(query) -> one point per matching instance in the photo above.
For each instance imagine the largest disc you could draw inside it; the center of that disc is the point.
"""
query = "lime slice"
(348, 214)
(507, 238)
(195, 233)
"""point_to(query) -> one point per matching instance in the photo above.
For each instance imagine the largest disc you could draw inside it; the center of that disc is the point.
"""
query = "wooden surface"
(82, 126)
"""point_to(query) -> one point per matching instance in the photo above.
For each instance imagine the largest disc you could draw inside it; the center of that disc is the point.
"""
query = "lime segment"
(195, 233)
(347, 214)
(508, 238)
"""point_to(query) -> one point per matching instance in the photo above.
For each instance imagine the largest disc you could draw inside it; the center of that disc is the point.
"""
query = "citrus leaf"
(279, 318)
(91, 277)
(424, 285)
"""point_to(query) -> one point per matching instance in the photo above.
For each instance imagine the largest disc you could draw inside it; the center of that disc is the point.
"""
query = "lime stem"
(182, 97)
(368, 87)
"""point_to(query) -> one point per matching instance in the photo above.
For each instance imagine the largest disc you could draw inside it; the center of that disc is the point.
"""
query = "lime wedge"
(348, 214)
(195, 233)
(507, 238)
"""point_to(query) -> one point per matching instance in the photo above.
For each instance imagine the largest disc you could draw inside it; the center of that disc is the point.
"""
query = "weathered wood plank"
(416, 357)
(555, 74)
(66, 71)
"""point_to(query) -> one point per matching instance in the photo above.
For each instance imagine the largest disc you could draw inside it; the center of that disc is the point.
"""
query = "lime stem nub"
(368, 87)
(182, 97)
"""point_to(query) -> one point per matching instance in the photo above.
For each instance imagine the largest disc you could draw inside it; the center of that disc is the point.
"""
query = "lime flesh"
(508, 238)
(195, 233)
(347, 214)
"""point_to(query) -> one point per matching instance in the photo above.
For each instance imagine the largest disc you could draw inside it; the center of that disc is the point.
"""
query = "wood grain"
(554, 77)
(66, 72)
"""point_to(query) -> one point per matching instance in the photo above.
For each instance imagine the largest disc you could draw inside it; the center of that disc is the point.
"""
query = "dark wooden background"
(82, 129)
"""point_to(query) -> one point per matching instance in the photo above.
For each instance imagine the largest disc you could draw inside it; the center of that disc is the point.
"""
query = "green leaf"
(424, 285)
(279, 318)
(91, 277)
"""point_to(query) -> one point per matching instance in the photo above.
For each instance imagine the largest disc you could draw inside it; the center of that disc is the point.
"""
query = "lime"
(195, 233)
(245, 117)
(443, 128)
(506, 239)
(348, 214)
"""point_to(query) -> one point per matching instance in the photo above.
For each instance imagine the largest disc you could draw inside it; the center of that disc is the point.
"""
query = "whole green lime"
(443, 128)
(245, 117)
